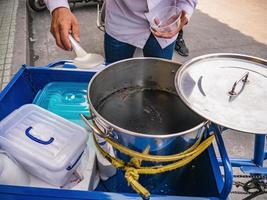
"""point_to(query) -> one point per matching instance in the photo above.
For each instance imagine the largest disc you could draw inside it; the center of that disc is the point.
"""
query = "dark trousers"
(116, 50)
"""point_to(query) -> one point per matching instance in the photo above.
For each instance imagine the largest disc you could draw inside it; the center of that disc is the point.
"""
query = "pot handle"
(93, 127)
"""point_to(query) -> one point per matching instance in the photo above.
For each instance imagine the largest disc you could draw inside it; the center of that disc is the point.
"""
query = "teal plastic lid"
(66, 99)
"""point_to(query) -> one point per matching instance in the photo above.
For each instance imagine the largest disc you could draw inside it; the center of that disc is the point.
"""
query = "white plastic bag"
(11, 172)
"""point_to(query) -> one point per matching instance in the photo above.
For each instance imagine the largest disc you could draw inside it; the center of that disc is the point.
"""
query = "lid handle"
(244, 80)
(29, 135)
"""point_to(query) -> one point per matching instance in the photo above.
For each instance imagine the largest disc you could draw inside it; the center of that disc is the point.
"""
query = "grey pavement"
(204, 34)
(216, 26)
(8, 12)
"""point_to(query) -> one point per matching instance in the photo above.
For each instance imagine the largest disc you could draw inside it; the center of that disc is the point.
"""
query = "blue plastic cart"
(204, 182)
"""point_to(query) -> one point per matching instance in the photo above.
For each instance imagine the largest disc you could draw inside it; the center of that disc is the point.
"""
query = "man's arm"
(63, 23)
(53, 4)
(187, 7)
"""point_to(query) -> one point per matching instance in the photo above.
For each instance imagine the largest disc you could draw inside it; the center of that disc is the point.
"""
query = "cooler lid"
(227, 89)
(42, 137)
(66, 99)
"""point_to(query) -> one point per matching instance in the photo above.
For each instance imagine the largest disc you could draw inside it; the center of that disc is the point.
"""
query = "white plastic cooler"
(46, 145)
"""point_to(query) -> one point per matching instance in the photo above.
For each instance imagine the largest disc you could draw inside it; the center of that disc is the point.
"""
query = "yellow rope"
(132, 177)
(159, 169)
(133, 168)
(148, 157)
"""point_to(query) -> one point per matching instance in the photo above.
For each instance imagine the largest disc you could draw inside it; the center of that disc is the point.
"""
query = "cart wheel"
(36, 5)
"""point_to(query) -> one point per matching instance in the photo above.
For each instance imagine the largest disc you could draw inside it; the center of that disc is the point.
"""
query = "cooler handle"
(29, 135)
(70, 167)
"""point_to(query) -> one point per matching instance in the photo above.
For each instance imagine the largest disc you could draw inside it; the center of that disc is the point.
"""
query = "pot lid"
(227, 89)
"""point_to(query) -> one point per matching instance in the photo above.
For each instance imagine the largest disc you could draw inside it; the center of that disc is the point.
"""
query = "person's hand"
(63, 23)
(170, 33)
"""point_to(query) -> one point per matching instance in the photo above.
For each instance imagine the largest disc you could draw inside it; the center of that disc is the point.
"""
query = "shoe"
(181, 48)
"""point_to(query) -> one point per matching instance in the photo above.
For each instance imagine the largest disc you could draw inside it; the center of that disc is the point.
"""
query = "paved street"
(216, 26)
(8, 12)
(236, 30)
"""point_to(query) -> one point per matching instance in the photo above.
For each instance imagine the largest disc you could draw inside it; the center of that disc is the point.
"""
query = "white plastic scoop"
(84, 59)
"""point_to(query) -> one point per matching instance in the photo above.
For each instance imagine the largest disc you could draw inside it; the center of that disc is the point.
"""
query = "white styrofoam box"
(45, 144)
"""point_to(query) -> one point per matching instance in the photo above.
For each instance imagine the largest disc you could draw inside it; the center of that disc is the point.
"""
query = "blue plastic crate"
(204, 182)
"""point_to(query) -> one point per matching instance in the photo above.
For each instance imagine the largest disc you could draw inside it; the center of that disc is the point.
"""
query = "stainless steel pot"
(135, 102)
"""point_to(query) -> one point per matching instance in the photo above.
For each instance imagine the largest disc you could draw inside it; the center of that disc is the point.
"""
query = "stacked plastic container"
(69, 100)
(45, 144)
